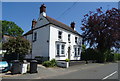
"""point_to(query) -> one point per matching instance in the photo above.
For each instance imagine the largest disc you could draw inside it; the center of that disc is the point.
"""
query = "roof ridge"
(59, 22)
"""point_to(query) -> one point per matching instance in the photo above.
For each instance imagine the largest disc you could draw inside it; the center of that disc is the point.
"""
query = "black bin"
(15, 69)
(33, 66)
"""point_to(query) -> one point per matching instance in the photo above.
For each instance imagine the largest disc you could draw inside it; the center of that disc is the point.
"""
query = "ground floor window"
(60, 49)
(77, 51)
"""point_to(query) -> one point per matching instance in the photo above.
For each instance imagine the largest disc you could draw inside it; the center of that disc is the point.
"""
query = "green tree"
(11, 29)
(16, 48)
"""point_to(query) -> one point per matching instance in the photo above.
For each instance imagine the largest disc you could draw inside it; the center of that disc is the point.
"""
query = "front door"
(68, 52)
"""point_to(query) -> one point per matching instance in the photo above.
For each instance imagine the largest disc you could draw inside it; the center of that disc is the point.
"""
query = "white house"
(53, 39)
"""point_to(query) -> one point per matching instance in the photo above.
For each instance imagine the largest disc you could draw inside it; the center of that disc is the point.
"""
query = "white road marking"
(109, 75)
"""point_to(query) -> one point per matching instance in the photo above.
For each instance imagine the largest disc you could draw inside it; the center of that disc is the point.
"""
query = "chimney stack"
(33, 23)
(73, 25)
(42, 8)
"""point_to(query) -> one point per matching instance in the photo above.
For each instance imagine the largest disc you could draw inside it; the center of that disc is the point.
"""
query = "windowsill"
(60, 55)
(77, 56)
(69, 42)
(33, 40)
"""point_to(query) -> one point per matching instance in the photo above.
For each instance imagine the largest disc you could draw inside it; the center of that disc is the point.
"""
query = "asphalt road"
(107, 71)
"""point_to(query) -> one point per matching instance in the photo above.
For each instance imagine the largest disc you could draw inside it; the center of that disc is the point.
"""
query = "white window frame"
(77, 52)
(60, 35)
(76, 40)
(60, 49)
(35, 36)
(69, 37)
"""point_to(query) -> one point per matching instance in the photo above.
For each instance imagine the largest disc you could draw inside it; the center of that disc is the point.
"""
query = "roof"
(57, 23)
(61, 25)
(29, 32)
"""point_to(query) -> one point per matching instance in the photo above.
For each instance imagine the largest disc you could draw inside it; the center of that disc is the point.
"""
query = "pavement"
(84, 71)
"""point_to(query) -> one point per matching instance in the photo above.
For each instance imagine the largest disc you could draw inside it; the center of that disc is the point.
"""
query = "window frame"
(60, 50)
(69, 37)
(34, 36)
(60, 35)
(77, 52)
(76, 39)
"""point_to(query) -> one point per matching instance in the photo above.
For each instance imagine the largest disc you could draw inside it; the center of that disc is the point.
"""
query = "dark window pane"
(75, 52)
(62, 49)
(58, 49)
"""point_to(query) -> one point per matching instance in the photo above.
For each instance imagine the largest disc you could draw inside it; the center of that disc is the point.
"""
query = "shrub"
(67, 60)
(47, 64)
(51, 63)
(116, 56)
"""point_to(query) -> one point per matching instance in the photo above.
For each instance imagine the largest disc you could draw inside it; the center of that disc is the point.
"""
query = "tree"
(102, 29)
(16, 48)
(11, 29)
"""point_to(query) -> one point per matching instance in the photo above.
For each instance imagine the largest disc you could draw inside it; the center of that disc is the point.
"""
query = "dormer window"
(76, 39)
(69, 37)
(59, 34)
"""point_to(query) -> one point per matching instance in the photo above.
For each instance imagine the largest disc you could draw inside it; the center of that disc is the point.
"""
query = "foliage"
(109, 56)
(116, 56)
(18, 47)
(89, 54)
(101, 30)
(0, 45)
(46, 64)
(51, 63)
(67, 60)
(11, 29)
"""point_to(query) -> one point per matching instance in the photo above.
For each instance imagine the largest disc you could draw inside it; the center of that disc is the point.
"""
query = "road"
(85, 72)
(106, 71)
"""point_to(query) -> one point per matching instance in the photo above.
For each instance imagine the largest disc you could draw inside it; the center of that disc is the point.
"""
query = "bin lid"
(24, 61)
(33, 61)
(15, 61)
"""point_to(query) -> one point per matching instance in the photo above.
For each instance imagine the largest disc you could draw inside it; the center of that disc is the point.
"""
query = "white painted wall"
(54, 37)
(41, 21)
(45, 45)
(41, 47)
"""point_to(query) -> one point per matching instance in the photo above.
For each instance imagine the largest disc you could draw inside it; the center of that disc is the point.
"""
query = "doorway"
(69, 53)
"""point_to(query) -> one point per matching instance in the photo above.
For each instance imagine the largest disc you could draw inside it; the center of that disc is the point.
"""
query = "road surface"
(107, 71)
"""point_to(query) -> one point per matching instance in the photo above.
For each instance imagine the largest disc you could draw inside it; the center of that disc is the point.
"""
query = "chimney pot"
(33, 23)
(73, 25)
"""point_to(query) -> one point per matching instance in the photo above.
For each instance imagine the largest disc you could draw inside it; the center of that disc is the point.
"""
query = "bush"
(116, 56)
(51, 63)
(47, 64)
(89, 54)
(67, 60)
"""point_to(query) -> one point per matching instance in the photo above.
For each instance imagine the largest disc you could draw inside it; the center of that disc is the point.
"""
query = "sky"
(22, 13)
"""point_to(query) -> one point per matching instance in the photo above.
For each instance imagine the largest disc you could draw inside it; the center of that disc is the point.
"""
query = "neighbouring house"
(53, 39)
(5, 38)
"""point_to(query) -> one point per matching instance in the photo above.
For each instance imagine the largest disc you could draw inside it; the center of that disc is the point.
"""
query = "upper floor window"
(76, 39)
(68, 37)
(60, 34)
(35, 36)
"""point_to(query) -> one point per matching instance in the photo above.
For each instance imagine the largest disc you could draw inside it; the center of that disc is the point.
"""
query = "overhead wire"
(61, 15)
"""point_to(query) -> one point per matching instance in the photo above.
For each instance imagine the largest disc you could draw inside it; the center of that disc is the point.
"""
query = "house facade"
(53, 39)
